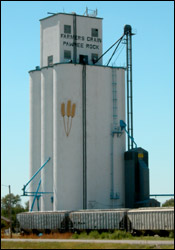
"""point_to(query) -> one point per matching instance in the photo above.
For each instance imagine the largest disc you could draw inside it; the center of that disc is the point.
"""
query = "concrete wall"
(64, 172)
(99, 119)
(54, 41)
(67, 149)
(49, 40)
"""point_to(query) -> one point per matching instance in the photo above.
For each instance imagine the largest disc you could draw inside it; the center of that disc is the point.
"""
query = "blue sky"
(153, 79)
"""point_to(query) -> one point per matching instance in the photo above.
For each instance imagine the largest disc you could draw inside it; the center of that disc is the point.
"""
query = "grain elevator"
(74, 107)
(78, 157)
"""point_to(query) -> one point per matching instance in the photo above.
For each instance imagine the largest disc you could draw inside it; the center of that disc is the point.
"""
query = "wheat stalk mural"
(70, 114)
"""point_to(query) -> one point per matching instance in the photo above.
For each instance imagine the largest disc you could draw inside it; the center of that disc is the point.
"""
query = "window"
(83, 59)
(94, 57)
(67, 29)
(50, 60)
(94, 32)
(67, 54)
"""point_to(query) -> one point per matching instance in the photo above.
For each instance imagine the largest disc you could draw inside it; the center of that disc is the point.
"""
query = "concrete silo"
(47, 137)
(35, 130)
(76, 108)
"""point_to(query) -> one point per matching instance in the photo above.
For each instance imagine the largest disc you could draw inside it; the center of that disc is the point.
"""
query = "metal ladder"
(114, 100)
(114, 130)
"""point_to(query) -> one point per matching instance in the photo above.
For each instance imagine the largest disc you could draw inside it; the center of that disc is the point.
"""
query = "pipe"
(35, 174)
(84, 137)
(112, 165)
(35, 196)
(74, 39)
(129, 34)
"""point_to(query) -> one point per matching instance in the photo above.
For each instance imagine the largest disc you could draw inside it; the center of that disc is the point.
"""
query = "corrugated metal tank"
(41, 220)
(98, 219)
(77, 220)
(152, 218)
(35, 130)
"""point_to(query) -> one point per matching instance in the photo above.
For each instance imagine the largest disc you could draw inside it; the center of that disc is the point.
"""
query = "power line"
(4, 185)
(115, 50)
(109, 48)
(119, 52)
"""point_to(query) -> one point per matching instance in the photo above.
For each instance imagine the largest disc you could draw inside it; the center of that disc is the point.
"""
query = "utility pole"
(10, 212)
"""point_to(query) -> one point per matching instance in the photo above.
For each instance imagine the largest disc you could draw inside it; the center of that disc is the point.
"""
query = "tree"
(168, 203)
(5, 201)
(16, 207)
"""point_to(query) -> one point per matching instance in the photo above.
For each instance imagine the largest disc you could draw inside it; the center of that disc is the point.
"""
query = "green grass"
(117, 234)
(56, 245)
